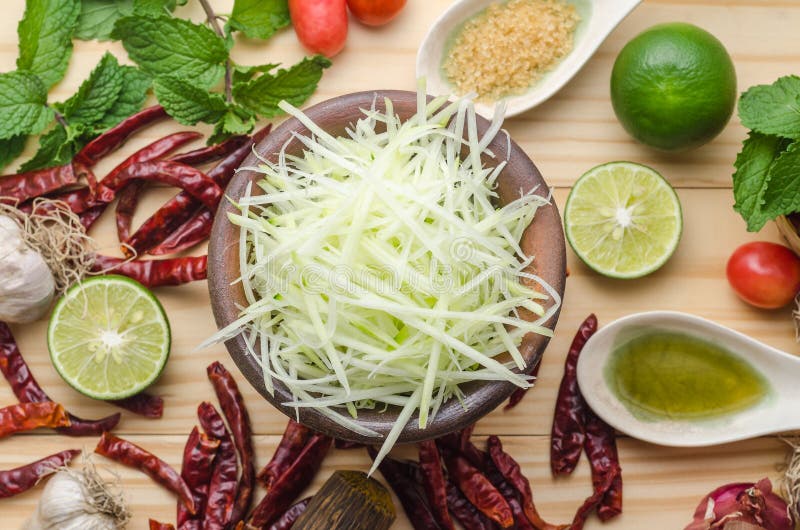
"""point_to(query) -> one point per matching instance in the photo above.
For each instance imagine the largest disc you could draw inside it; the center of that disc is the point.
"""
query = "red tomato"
(321, 25)
(764, 274)
(375, 12)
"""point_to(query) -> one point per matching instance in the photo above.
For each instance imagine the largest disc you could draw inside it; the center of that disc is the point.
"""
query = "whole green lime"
(673, 87)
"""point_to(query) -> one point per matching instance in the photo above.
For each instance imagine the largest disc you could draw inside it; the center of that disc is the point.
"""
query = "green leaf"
(752, 176)
(11, 148)
(155, 7)
(187, 103)
(135, 85)
(45, 38)
(259, 19)
(23, 105)
(57, 147)
(97, 18)
(96, 95)
(295, 85)
(173, 46)
(243, 74)
(236, 120)
(782, 195)
(773, 109)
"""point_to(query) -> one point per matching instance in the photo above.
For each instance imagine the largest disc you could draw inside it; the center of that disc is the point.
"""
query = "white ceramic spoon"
(777, 412)
(598, 18)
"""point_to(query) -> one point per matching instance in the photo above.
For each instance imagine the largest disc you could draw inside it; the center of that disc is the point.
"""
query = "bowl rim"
(481, 397)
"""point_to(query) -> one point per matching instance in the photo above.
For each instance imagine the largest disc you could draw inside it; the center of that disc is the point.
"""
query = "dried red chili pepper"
(156, 273)
(511, 496)
(292, 482)
(459, 442)
(464, 511)
(430, 464)
(155, 525)
(211, 153)
(30, 416)
(478, 489)
(193, 181)
(591, 502)
(223, 485)
(21, 479)
(191, 233)
(235, 412)
(405, 480)
(519, 393)
(294, 439)
(127, 201)
(15, 189)
(567, 437)
(113, 138)
(27, 390)
(182, 207)
(511, 472)
(198, 460)
(601, 450)
(142, 404)
(290, 516)
(90, 216)
(131, 455)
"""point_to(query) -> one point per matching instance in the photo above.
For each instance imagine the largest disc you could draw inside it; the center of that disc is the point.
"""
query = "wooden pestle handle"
(349, 500)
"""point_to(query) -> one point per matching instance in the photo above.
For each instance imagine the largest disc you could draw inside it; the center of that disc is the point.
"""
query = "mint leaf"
(782, 195)
(237, 120)
(96, 95)
(57, 147)
(173, 46)
(295, 85)
(97, 18)
(132, 96)
(259, 19)
(45, 38)
(243, 74)
(11, 148)
(23, 105)
(187, 103)
(752, 176)
(155, 7)
(773, 109)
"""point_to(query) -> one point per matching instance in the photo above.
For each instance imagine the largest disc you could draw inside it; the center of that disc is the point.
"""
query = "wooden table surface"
(571, 133)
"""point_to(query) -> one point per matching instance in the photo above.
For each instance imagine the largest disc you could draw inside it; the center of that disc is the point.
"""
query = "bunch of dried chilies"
(37, 410)
(486, 490)
(181, 223)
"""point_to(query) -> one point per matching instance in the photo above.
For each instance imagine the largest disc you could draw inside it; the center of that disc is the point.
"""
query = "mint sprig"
(766, 183)
(259, 19)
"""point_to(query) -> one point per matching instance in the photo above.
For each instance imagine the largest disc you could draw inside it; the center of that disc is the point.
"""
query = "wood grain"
(565, 137)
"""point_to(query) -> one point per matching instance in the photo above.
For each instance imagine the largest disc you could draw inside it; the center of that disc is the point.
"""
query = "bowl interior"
(544, 239)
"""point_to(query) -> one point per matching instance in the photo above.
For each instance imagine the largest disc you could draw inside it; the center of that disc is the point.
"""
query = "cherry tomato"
(375, 12)
(764, 274)
(321, 25)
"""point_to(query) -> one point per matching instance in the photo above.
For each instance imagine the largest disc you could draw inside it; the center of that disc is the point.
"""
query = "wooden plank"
(658, 491)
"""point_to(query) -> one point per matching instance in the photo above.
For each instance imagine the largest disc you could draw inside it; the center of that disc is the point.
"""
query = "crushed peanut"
(508, 46)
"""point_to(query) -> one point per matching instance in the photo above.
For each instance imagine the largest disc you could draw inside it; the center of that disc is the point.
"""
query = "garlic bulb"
(27, 285)
(78, 500)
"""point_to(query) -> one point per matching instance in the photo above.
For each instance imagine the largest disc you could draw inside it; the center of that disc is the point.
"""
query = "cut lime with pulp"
(623, 219)
(109, 337)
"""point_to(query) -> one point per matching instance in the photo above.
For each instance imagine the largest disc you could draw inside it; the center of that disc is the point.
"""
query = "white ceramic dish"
(777, 412)
(598, 19)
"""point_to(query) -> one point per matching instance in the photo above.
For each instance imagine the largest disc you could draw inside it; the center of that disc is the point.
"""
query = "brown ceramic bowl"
(544, 239)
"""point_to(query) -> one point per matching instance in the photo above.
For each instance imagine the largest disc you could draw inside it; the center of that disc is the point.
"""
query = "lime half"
(623, 219)
(109, 337)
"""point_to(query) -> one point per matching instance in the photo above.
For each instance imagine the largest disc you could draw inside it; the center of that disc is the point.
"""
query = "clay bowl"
(544, 239)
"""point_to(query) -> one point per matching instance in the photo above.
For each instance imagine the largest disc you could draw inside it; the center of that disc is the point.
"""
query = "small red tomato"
(321, 25)
(375, 12)
(764, 274)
